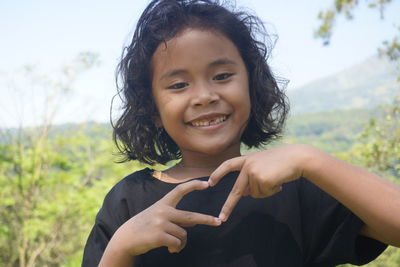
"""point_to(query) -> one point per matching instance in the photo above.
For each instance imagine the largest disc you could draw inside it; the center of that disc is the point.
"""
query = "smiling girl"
(196, 85)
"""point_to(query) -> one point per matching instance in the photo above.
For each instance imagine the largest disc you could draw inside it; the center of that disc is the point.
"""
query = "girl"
(196, 85)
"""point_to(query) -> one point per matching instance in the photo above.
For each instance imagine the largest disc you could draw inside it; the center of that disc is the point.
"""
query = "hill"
(364, 85)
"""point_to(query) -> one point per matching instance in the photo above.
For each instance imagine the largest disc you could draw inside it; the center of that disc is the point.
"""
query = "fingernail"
(222, 217)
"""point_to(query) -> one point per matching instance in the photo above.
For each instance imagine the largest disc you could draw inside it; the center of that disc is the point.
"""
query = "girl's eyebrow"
(218, 62)
(222, 61)
(173, 73)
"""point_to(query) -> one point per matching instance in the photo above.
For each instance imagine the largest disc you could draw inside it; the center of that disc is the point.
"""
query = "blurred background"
(57, 79)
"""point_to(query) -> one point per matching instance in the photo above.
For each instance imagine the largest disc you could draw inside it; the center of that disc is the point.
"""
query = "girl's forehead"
(192, 37)
(194, 46)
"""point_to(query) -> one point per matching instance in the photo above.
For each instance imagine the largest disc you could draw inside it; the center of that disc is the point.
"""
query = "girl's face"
(200, 87)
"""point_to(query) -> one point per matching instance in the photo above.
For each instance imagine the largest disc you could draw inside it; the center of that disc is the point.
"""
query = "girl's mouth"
(208, 122)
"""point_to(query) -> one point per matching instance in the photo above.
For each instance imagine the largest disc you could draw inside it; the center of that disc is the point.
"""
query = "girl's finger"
(234, 196)
(171, 242)
(176, 194)
(277, 189)
(177, 232)
(234, 164)
(188, 218)
(247, 191)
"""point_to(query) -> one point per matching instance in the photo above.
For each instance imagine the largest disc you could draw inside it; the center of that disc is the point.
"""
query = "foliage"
(346, 8)
(343, 8)
(378, 146)
(51, 183)
(390, 258)
(378, 150)
(331, 131)
(50, 191)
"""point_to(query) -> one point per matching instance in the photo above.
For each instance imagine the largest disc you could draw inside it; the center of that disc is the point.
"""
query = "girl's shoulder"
(139, 188)
(139, 182)
(136, 178)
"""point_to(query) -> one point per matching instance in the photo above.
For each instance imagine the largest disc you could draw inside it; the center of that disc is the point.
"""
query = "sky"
(50, 34)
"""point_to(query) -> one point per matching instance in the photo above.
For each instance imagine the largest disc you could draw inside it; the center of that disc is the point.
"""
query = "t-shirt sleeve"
(330, 231)
(108, 220)
(96, 244)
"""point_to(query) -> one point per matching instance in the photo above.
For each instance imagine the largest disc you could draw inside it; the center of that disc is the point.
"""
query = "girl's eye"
(223, 76)
(178, 86)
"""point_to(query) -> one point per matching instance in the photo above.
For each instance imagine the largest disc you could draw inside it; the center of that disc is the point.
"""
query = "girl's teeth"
(208, 123)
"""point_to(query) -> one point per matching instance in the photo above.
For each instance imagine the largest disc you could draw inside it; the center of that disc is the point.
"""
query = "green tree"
(378, 150)
(378, 147)
(346, 8)
(52, 183)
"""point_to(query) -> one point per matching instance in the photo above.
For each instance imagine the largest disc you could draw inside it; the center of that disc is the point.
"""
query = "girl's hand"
(261, 174)
(159, 225)
(374, 200)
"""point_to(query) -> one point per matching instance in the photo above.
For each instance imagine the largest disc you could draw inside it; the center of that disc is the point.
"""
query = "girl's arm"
(374, 200)
(159, 225)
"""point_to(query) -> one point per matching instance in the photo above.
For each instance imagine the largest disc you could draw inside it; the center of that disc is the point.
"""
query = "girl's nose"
(204, 95)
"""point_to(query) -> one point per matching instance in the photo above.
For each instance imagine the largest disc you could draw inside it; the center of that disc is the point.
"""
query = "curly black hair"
(135, 132)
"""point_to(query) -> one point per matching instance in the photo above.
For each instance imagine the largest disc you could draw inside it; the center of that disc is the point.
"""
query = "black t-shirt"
(299, 226)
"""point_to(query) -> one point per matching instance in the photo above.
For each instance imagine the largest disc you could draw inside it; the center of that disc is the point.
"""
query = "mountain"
(364, 85)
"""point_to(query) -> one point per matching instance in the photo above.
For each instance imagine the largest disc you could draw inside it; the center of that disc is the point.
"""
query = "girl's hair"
(135, 133)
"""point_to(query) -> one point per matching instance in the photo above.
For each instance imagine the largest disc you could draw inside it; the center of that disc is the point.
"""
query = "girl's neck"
(195, 165)
(179, 173)
(193, 159)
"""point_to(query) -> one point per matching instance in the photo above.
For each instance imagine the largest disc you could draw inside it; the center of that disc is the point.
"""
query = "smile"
(201, 123)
